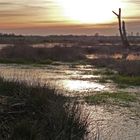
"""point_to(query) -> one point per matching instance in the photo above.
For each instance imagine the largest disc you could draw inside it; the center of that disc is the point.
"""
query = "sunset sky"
(45, 17)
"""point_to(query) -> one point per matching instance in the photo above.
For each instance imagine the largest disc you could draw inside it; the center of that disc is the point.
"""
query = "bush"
(124, 67)
(41, 55)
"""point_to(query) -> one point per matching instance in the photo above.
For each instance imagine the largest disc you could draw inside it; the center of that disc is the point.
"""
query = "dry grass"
(38, 113)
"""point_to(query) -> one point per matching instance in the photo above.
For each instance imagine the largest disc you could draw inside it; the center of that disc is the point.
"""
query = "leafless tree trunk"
(122, 29)
(124, 35)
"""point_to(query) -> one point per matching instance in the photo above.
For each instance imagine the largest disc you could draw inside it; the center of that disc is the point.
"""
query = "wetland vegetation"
(118, 98)
(43, 89)
(37, 113)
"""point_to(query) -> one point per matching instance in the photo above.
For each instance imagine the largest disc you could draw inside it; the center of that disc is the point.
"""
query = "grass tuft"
(111, 98)
(127, 80)
(38, 113)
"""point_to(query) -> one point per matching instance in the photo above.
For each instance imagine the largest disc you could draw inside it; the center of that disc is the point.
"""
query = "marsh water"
(67, 78)
(80, 80)
(72, 80)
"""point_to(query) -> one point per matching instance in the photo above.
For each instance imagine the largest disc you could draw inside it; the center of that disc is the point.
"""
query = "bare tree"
(122, 29)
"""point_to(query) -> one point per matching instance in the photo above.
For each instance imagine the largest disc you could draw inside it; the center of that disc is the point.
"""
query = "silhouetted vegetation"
(111, 49)
(124, 67)
(41, 55)
(38, 113)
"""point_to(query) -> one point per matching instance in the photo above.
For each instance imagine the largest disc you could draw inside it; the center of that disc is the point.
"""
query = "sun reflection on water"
(79, 85)
(69, 80)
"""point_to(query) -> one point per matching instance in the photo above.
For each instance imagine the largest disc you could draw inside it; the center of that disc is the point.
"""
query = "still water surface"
(63, 77)
(67, 79)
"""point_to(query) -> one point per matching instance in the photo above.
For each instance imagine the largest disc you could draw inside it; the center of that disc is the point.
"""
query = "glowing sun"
(89, 11)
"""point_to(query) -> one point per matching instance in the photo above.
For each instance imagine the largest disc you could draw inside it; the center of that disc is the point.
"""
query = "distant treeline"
(82, 39)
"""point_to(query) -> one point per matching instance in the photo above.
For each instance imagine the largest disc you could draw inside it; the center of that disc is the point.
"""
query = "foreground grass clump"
(111, 98)
(128, 80)
(38, 113)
